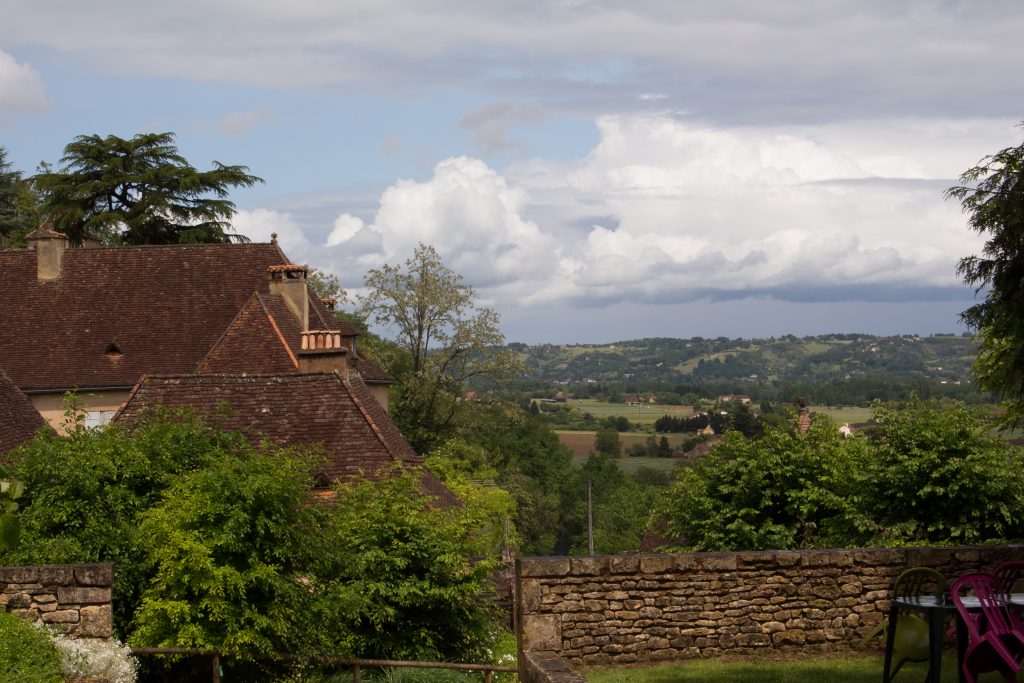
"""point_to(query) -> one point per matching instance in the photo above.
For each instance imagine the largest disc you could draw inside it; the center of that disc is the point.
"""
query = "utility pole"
(590, 518)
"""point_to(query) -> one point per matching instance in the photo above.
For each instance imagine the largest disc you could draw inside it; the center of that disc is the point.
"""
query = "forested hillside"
(840, 368)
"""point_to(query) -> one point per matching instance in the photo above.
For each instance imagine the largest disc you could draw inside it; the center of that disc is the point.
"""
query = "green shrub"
(27, 655)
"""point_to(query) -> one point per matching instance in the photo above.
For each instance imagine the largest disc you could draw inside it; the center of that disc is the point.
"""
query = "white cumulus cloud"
(260, 225)
(21, 88)
(471, 214)
(666, 212)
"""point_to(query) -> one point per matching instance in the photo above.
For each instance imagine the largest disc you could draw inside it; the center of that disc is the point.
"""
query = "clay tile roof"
(265, 337)
(164, 306)
(286, 268)
(19, 421)
(255, 340)
(373, 374)
(316, 409)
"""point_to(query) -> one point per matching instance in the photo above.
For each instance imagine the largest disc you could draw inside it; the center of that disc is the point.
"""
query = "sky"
(597, 171)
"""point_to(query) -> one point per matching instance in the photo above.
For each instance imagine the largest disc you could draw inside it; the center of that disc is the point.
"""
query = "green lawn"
(810, 669)
(843, 414)
(631, 465)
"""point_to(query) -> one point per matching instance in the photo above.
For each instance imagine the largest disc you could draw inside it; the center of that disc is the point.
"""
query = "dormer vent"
(288, 281)
(113, 352)
(329, 302)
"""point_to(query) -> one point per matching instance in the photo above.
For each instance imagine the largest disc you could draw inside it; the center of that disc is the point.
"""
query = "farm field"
(843, 414)
(582, 443)
(645, 414)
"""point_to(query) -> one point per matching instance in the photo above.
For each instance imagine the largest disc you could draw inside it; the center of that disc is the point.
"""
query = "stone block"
(96, 621)
(542, 632)
(623, 564)
(588, 566)
(790, 637)
(879, 557)
(62, 616)
(15, 601)
(94, 574)
(787, 558)
(928, 557)
(530, 595)
(544, 566)
(83, 596)
(816, 558)
(19, 574)
(657, 564)
(57, 575)
(718, 562)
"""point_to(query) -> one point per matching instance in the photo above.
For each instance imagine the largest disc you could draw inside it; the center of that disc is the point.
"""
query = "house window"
(97, 418)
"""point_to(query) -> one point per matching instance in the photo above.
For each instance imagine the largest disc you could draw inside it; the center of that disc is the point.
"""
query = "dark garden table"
(936, 610)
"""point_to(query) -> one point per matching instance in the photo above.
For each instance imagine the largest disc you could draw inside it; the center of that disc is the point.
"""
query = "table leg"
(961, 647)
(936, 620)
(890, 640)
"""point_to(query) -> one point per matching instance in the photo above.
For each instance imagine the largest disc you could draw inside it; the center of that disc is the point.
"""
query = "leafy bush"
(84, 494)
(395, 574)
(930, 474)
(223, 552)
(940, 476)
(27, 655)
(779, 491)
(218, 546)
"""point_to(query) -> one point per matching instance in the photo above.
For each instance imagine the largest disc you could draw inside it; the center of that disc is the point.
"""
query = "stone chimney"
(50, 246)
(323, 351)
(289, 283)
(803, 421)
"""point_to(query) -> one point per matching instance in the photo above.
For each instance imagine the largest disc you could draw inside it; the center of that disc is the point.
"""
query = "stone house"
(94, 320)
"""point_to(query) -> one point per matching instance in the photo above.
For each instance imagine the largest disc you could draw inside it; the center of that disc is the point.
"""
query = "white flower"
(106, 659)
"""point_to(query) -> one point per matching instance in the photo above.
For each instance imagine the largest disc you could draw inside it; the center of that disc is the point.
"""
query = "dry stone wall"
(626, 609)
(73, 598)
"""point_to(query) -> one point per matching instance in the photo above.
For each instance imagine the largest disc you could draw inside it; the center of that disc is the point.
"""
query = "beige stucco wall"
(380, 392)
(51, 405)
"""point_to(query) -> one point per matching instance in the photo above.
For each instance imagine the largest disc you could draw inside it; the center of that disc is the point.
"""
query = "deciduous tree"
(445, 339)
(139, 191)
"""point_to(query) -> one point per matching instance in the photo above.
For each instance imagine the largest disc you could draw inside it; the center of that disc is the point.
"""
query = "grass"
(631, 465)
(843, 414)
(813, 669)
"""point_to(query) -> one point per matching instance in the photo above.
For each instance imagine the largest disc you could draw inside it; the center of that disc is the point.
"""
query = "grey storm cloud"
(738, 62)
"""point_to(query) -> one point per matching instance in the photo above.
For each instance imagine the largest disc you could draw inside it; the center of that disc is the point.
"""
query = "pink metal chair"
(1007, 575)
(995, 642)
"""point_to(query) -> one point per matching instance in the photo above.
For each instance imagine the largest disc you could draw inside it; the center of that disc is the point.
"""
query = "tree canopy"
(139, 191)
(18, 214)
(992, 194)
